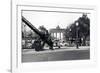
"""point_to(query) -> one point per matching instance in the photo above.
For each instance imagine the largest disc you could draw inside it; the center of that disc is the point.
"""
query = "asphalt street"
(64, 53)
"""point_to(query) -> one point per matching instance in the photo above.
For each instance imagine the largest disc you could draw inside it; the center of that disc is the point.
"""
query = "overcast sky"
(50, 19)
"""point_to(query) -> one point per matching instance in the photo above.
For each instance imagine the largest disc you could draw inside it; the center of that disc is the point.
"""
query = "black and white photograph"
(55, 35)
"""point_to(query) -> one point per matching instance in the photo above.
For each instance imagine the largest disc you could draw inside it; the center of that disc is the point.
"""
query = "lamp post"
(77, 24)
(70, 35)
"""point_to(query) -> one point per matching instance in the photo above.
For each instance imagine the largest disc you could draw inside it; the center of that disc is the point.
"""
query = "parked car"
(62, 44)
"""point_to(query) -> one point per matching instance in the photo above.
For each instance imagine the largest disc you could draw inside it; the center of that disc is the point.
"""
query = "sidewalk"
(69, 53)
(32, 51)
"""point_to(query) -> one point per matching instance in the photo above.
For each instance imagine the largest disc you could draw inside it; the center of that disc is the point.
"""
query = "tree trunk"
(84, 41)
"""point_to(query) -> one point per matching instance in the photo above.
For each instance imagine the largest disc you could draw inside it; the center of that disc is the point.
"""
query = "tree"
(83, 29)
(42, 28)
(84, 22)
(44, 31)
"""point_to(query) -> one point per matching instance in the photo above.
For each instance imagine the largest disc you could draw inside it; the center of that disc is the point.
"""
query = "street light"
(70, 36)
(70, 30)
(77, 24)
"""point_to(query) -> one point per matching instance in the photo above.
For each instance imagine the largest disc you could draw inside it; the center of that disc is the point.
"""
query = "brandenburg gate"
(57, 33)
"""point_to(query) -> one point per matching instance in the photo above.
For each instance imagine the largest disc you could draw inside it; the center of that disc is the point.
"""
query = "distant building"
(57, 33)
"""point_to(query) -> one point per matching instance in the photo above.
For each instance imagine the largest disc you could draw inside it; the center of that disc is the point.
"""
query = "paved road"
(69, 53)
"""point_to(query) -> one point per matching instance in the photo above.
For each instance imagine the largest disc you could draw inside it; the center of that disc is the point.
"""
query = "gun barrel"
(31, 26)
(42, 36)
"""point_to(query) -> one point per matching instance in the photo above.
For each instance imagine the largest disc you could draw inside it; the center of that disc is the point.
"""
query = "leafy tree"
(83, 29)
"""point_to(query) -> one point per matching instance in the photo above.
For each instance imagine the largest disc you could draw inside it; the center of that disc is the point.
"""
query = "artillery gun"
(44, 37)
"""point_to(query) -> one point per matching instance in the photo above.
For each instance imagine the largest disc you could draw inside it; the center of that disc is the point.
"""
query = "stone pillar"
(56, 34)
(53, 34)
(60, 35)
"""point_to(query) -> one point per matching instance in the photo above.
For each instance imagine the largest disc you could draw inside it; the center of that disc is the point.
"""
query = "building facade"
(57, 33)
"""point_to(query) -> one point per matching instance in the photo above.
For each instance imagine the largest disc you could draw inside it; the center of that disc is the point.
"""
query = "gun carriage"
(46, 39)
